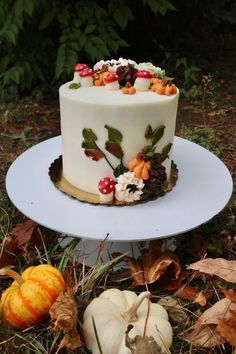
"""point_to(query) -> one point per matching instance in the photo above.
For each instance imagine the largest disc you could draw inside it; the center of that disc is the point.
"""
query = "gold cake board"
(56, 175)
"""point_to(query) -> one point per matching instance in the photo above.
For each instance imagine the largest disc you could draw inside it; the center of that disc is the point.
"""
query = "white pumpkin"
(113, 311)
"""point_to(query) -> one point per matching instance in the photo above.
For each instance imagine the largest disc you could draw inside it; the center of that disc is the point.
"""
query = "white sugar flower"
(99, 65)
(128, 188)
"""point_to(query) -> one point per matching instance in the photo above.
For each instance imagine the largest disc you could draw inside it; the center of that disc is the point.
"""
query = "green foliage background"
(41, 40)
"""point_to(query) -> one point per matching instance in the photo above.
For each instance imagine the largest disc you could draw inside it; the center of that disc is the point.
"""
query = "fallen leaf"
(141, 345)
(221, 309)
(174, 309)
(24, 231)
(227, 329)
(64, 314)
(8, 248)
(204, 336)
(151, 265)
(204, 331)
(186, 292)
(229, 294)
(16, 239)
(218, 266)
(200, 299)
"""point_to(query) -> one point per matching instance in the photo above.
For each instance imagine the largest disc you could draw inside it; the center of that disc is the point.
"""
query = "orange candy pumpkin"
(140, 168)
(164, 88)
(128, 89)
(28, 299)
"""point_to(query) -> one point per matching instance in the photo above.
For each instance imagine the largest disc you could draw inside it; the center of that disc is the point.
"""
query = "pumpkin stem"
(131, 314)
(11, 273)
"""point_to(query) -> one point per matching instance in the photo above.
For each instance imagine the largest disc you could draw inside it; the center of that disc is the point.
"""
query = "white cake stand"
(203, 189)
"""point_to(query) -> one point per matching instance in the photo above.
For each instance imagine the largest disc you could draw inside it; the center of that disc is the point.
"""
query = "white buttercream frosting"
(96, 107)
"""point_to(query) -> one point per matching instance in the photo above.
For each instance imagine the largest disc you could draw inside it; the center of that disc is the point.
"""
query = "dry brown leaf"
(24, 231)
(218, 266)
(200, 299)
(174, 309)
(203, 332)
(8, 248)
(186, 292)
(221, 309)
(141, 345)
(229, 293)
(150, 266)
(71, 341)
(16, 239)
(64, 314)
(227, 329)
(204, 336)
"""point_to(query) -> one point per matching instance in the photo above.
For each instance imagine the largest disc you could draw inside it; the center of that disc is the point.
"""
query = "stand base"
(91, 252)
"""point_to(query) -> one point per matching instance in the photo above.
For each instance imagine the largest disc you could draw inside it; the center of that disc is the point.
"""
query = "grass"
(204, 136)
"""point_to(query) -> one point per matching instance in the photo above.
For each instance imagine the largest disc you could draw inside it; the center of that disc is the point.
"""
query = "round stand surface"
(203, 189)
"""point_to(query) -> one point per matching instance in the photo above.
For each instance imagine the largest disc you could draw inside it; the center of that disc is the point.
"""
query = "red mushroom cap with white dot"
(86, 72)
(144, 74)
(79, 67)
(111, 78)
(106, 185)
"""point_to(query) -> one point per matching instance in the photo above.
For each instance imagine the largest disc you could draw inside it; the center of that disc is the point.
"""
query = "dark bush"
(40, 41)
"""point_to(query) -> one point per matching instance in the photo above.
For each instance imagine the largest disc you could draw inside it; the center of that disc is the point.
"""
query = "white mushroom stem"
(11, 273)
(131, 314)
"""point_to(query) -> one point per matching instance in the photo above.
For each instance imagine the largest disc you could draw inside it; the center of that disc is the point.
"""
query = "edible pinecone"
(157, 177)
(126, 74)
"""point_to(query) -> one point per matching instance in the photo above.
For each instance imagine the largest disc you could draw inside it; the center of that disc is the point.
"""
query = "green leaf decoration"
(94, 154)
(157, 134)
(89, 145)
(119, 170)
(166, 149)
(148, 132)
(74, 86)
(114, 135)
(148, 150)
(115, 149)
(89, 135)
(167, 78)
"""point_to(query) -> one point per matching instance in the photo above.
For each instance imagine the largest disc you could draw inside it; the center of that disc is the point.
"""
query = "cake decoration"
(111, 82)
(142, 81)
(164, 87)
(128, 89)
(119, 124)
(145, 169)
(128, 188)
(86, 77)
(77, 68)
(106, 187)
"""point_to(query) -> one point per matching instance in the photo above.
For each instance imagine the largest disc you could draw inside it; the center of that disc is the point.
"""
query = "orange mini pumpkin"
(139, 167)
(128, 89)
(28, 299)
(164, 88)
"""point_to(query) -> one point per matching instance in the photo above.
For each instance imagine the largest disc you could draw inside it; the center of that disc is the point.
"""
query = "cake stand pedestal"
(203, 189)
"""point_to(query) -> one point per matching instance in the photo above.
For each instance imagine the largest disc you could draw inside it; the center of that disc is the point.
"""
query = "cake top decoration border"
(125, 75)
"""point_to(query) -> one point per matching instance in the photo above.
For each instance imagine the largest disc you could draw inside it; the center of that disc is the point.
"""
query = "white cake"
(105, 132)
